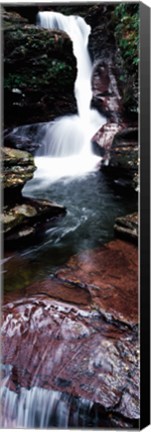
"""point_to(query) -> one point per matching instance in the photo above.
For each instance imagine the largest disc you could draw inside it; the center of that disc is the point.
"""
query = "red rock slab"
(59, 290)
(110, 274)
(58, 346)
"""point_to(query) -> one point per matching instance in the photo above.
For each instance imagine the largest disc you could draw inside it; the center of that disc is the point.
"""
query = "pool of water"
(92, 206)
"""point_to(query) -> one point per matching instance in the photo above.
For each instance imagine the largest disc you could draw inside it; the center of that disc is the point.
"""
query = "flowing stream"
(67, 171)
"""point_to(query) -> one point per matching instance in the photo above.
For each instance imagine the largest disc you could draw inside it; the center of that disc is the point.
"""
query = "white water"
(41, 408)
(66, 150)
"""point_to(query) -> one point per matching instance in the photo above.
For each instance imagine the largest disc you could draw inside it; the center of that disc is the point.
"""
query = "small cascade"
(42, 408)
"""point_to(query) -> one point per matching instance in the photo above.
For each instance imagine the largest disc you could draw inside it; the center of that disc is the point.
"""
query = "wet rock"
(104, 280)
(76, 332)
(127, 227)
(17, 138)
(110, 276)
(63, 291)
(18, 167)
(96, 360)
(26, 219)
(22, 218)
(14, 157)
(38, 65)
(103, 139)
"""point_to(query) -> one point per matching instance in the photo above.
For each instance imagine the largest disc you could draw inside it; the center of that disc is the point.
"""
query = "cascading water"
(41, 408)
(66, 149)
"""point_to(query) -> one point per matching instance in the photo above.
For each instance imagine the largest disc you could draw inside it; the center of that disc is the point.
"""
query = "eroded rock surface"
(76, 333)
(110, 276)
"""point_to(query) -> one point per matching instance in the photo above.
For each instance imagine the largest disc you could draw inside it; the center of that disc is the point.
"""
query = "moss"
(41, 65)
(126, 22)
(18, 167)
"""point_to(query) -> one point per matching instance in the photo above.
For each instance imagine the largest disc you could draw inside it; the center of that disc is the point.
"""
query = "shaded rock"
(127, 227)
(119, 85)
(12, 17)
(38, 65)
(123, 160)
(106, 84)
(26, 12)
(17, 138)
(118, 148)
(107, 97)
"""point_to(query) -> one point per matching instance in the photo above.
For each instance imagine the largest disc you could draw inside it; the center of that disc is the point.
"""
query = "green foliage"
(56, 73)
(127, 33)
(126, 21)
(36, 59)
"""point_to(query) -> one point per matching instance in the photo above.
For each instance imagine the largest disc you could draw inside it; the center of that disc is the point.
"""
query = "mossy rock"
(15, 157)
(18, 167)
(39, 74)
(11, 18)
(28, 217)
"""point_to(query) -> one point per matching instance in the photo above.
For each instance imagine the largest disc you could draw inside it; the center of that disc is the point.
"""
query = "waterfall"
(66, 143)
(79, 32)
